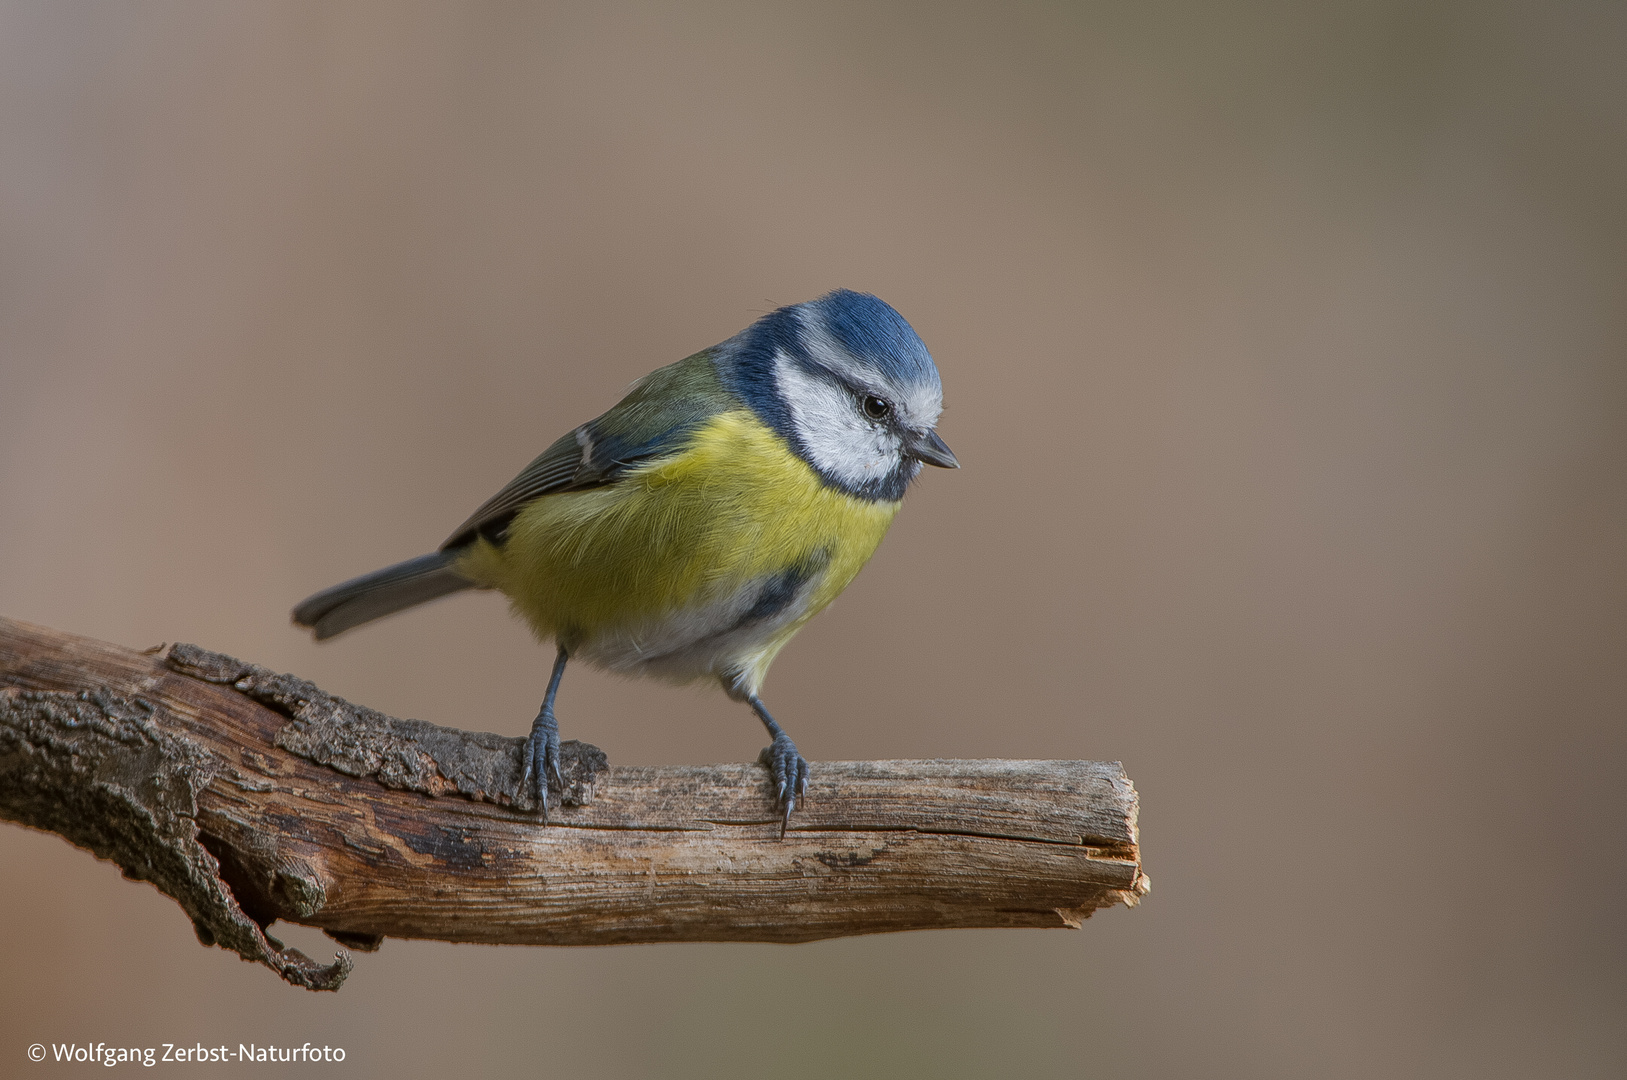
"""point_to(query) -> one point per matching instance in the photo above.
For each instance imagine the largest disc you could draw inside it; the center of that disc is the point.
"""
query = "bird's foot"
(542, 762)
(789, 772)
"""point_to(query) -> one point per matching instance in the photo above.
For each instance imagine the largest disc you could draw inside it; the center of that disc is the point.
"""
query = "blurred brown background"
(1285, 347)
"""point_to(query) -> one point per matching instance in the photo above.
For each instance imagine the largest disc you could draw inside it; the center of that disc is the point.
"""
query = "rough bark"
(250, 796)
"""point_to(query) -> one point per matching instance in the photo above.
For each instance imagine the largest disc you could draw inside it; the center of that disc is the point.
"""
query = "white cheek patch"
(841, 442)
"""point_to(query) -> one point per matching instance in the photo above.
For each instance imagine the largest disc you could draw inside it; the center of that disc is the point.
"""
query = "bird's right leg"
(788, 767)
(542, 748)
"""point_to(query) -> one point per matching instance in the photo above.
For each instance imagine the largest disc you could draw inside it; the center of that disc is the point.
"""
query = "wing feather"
(553, 470)
(653, 420)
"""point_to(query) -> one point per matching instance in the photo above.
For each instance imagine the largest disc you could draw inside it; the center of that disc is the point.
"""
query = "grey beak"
(932, 450)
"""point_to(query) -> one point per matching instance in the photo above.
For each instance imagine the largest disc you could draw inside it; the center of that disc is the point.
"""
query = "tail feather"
(383, 592)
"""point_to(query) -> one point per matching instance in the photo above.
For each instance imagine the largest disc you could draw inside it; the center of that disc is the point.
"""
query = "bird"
(690, 531)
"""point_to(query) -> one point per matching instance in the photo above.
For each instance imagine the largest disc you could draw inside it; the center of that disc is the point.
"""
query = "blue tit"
(690, 531)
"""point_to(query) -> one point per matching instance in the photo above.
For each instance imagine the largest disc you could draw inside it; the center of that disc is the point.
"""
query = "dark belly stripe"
(780, 591)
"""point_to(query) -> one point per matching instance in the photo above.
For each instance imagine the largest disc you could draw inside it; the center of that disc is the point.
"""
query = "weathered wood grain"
(251, 796)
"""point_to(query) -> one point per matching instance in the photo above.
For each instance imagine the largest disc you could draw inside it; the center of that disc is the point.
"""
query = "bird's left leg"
(789, 769)
(542, 747)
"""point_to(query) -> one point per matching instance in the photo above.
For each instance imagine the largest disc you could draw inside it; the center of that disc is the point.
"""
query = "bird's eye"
(875, 408)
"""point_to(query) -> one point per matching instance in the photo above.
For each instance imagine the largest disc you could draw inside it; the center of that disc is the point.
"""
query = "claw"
(534, 775)
(788, 773)
(787, 769)
(544, 740)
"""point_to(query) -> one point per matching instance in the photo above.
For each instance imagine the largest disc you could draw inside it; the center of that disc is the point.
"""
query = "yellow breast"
(639, 564)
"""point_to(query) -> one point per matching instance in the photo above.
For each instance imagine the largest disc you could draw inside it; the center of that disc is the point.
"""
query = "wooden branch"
(249, 796)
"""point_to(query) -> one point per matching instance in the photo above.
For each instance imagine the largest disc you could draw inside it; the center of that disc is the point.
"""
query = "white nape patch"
(918, 405)
(841, 440)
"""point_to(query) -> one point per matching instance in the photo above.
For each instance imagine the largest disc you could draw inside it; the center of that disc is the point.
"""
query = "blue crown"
(871, 331)
(864, 326)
